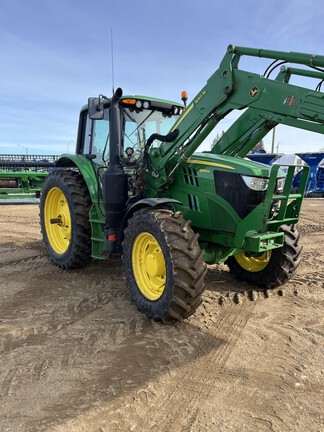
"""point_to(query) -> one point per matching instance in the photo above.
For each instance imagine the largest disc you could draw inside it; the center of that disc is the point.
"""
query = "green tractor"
(136, 188)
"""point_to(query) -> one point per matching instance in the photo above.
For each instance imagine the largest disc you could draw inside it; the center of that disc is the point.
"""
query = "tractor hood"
(227, 163)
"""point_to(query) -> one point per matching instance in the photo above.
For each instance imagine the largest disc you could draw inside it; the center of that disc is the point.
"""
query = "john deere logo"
(254, 91)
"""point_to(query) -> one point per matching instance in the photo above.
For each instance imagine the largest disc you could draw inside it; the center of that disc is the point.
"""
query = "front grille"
(231, 187)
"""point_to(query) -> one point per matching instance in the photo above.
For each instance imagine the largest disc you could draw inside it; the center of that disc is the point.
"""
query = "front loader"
(136, 187)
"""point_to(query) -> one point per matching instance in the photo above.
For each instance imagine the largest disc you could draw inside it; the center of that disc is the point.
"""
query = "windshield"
(138, 126)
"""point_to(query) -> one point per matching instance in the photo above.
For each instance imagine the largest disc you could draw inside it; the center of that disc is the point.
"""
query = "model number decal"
(200, 96)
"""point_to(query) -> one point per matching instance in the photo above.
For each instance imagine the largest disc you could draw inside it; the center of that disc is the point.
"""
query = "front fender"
(146, 202)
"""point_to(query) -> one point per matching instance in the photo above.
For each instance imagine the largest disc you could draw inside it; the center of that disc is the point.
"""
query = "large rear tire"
(64, 219)
(163, 265)
(272, 270)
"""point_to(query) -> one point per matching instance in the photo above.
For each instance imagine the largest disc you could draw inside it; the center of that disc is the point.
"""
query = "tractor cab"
(141, 117)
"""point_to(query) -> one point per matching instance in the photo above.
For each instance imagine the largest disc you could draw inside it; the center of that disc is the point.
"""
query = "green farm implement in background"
(24, 176)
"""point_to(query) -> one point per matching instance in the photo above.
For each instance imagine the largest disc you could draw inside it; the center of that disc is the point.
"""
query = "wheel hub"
(154, 265)
(253, 264)
(57, 220)
(149, 266)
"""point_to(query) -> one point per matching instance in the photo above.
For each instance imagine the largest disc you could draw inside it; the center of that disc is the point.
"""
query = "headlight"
(281, 184)
(139, 104)
(256, 183)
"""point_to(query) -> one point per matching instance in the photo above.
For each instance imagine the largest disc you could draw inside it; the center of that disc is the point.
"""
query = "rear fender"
(86, 169)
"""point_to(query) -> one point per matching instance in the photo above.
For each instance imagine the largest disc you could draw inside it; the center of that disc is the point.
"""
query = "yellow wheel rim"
(148, 266)
(253, 264)
(57, 218)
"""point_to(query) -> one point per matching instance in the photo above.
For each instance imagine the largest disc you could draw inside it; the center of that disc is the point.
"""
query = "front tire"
(163, 265)
(64, 219)
(273, 270)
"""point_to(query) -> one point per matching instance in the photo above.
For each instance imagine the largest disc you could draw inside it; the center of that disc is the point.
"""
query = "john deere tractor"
(136, 188)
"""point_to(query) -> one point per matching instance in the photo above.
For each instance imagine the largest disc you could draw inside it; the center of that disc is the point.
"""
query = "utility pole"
(26, 148)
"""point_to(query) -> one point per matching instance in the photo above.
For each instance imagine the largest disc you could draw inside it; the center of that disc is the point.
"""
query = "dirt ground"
(76, 355)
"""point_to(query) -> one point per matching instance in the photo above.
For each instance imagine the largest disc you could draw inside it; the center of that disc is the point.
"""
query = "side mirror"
(96, 108)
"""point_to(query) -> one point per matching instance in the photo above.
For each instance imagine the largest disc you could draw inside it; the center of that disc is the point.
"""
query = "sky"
(56, 54)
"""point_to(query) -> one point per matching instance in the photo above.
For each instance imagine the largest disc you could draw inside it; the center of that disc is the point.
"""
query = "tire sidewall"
(56, 180)
(271, 268)
(281, 266)
(148, 223)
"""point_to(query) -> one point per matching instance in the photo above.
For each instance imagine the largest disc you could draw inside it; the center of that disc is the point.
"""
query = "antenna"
(112, 60)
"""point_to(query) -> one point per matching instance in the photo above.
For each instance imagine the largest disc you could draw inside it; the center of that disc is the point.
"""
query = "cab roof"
(157, 103)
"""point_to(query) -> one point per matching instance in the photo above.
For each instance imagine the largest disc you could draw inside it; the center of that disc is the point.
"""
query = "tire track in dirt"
(193, 384)
(289, 375)
(5, 388)
(184, 375)
(56, 317)
(78, 311)
(79, 353)
(139, 359)
(189, 386)
(30, 260)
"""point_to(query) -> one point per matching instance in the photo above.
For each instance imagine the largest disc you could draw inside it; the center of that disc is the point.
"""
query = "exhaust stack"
(115, 186)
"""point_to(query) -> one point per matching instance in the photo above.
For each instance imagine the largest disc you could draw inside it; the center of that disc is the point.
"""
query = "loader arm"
(252, 126)
(268, 102)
